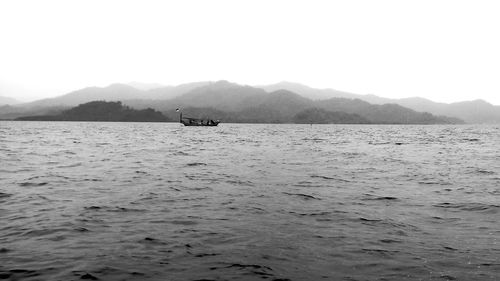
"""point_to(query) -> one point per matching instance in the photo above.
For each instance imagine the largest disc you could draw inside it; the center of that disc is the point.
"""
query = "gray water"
(142, 201)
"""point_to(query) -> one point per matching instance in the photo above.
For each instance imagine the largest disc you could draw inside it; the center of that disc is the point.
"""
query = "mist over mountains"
(283, 102)
(8, 101)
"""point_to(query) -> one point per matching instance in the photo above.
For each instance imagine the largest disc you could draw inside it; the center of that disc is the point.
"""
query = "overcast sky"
(442, 50)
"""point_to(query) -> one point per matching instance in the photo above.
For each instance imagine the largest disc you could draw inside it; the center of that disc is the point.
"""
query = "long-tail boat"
(188, 121)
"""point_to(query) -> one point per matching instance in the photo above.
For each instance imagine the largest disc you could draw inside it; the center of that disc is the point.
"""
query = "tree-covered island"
(102, 111)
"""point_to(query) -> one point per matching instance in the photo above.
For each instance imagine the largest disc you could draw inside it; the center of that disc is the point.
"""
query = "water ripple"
(141, 201)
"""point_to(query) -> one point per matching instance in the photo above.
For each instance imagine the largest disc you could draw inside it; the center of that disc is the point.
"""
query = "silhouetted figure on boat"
(188, 121)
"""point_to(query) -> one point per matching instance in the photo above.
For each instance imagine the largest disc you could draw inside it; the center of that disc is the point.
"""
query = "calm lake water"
(144, 201)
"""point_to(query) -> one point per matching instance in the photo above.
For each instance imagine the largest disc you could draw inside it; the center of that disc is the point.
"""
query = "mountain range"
(476, 111)
(116, 92)
(279, 102)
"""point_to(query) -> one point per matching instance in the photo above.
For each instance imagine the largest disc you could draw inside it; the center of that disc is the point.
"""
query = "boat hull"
(200, 124)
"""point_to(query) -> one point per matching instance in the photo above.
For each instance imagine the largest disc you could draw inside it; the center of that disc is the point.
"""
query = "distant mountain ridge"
(267, 102)
(476, 111)
(250, 104)
(222, 95)
(308, 92)
(116, 92)
(113, 92)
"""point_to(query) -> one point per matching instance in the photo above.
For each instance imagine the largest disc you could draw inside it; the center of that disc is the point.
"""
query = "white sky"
(442, 50)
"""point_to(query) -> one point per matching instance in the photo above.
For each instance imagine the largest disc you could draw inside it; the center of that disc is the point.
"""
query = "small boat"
(188, 121)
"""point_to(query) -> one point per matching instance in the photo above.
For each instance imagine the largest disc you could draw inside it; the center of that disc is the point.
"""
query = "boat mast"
(180, 114)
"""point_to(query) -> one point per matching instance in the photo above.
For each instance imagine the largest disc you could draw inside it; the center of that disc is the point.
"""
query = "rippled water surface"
(140, 201)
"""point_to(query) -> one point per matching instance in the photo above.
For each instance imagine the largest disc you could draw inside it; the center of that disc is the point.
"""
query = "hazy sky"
(442, 50)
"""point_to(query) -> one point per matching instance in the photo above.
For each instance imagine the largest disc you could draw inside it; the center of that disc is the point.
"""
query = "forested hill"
(103, 111)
